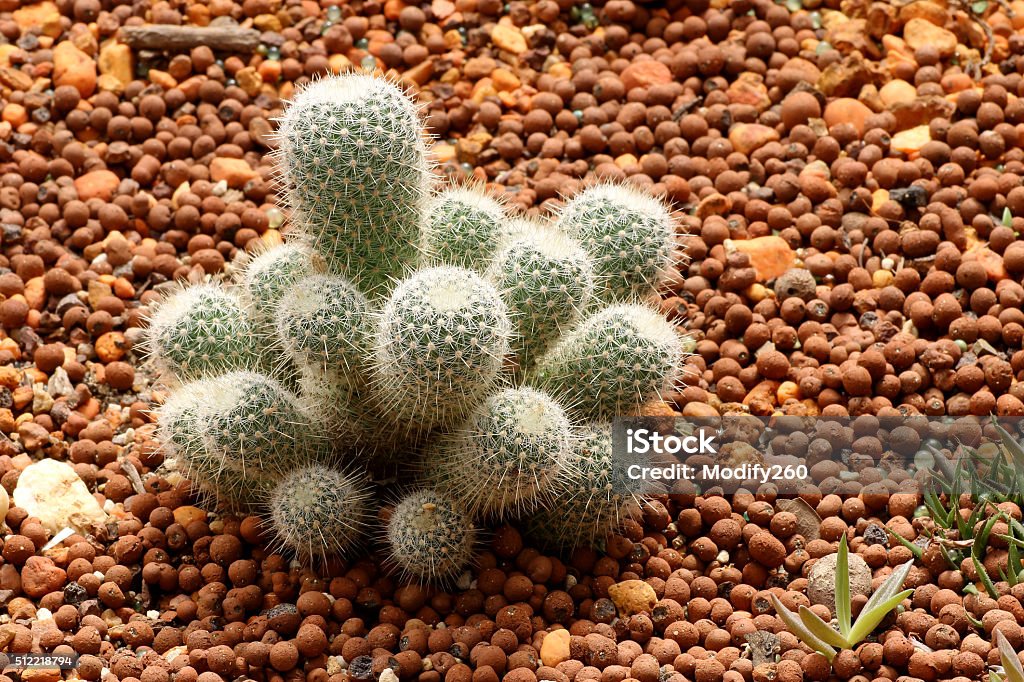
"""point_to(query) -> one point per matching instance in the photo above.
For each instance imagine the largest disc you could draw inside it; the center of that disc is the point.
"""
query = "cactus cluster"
(475, 355)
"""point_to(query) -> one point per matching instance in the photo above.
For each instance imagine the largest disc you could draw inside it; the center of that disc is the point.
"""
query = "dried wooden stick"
(177, 38)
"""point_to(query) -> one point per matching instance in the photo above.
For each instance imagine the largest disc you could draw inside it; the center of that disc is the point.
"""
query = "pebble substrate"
(877, 152)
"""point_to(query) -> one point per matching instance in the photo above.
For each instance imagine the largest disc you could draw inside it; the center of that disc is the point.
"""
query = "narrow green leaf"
(821, 629)
(1014, 542)
(914, 549)
(798, 629)
(986, 581)
(981, 541)
(843, 587)
(1012, 564)
(868, 621)
(1008, 657)
(992, 677)
(889, 587)
(1007, 217)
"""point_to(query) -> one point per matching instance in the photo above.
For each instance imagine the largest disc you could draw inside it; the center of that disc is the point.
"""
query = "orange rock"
(111, 346)
(236, 172)
(748, 137)
(847, 110)
(897, 92)
(73, 67)
(188, 514)
(770, 256)
(15, 114)
(392, 8)
(42, 16)
(97, 183)
(442, 9)
(910, 141)
(116, 60)
(990, 260)
(509, 38)
(645, 74)
(554, 649)
(922, 33)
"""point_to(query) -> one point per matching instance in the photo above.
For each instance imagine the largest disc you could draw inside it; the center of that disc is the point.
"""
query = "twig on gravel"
(133, 476)
(178, 38)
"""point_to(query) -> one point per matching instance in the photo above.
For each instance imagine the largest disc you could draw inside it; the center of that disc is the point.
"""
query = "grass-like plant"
(822, 637)
(1013, 671)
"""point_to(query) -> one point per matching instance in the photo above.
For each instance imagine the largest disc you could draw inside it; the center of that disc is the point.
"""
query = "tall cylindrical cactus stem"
(616, 360)
(200, 331)
(629, 234)
(439, 345)
(354, 158)
(547, 280)
(507, 457)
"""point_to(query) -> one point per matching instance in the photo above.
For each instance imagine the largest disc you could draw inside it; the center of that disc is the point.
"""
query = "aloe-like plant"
(822, 637)
(1013, 671)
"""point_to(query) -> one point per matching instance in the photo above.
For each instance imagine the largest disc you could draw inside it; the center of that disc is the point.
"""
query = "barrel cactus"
(547, 280)
(354, 159)
(629, 234)
(613, 362)
(506, 459)
(462, 227)
(318, 511)
(418, 335)
(200, 331)
(429, 537)
(439, 345)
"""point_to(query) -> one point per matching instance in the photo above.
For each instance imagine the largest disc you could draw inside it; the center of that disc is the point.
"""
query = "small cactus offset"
(506, 459)
(201, 331)
(267, 275)
(317, 511)
(613, 362)
(321, 324)
(235, 432)
(547, 280)
(429, 537)
(424, 335)
(439, 345)
(354, 158)
(594, 499)
(629, 234)
(462, 227)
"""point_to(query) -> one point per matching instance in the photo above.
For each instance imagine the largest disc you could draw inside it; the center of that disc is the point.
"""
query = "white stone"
(53, 492)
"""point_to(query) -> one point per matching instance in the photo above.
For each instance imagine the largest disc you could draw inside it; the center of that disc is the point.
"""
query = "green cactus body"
(200, 331)
(270, 274)
(321, 324)
(429, 537)
(354, 157)
(595, 499)
(629, 234)
(547, 281)
(462, 227)
(613, 362)
(439, 344)
(317, 512)
(508, 456)
(236, 432)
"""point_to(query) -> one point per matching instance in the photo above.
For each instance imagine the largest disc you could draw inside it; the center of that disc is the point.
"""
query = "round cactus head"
(629, 234)
(595, 499)
(508, 456)
(354, 157)
(439, 345)
(234, 433)
(429, 537)
(317, 512)
(201, 330)
(613, 362)
(268, 274)
(461, 227)
(321, 324)
(547, 280)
